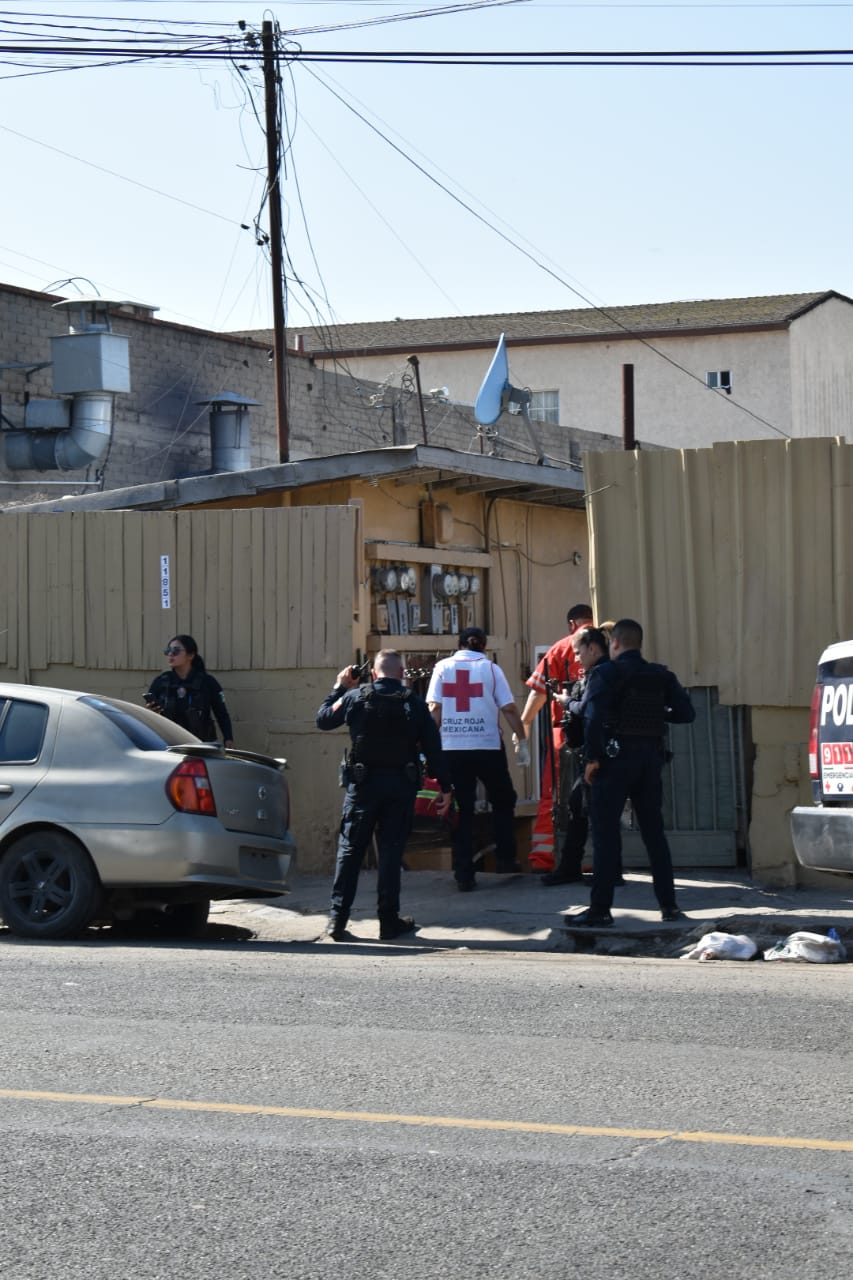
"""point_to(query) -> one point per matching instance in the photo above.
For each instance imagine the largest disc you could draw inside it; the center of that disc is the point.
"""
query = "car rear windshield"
(145, 729)
(837, 669)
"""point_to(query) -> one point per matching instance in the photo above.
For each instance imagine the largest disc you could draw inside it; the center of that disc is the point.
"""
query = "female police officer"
(188, 694)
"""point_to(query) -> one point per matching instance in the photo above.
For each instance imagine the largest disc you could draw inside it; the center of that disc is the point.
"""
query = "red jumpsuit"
(563, 667)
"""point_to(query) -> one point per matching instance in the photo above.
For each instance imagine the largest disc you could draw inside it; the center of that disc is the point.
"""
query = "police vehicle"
(823, 832)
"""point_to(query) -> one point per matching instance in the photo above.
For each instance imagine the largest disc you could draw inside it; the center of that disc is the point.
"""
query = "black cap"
(476, 634)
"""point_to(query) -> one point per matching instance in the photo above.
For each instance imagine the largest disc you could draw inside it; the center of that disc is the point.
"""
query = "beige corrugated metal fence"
(267, 589)
(736, 559)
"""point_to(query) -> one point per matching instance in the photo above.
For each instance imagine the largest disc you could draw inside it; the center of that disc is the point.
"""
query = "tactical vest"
(639, 708)
(192, 711)
(385, 737)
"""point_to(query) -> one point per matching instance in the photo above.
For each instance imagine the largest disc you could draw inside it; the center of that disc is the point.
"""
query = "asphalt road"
(263, 1110)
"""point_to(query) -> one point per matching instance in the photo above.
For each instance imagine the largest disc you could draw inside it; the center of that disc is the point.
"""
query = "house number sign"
(165, 584)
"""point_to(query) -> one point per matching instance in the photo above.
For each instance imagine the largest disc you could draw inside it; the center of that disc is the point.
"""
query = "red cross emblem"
(462, 691)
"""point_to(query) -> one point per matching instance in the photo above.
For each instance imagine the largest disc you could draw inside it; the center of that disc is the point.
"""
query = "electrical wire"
(436, 11)
(608, 315)
(144, 186)
(214, 47)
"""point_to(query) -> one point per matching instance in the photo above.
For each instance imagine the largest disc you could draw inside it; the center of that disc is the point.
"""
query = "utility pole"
(628, 438)
(271, 93)
(416, 365)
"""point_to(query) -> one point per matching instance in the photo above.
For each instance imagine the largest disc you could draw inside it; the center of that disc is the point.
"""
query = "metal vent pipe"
(85, 442)
(230, 432)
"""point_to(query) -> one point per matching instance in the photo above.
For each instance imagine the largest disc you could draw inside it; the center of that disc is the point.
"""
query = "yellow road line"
(430, 1122)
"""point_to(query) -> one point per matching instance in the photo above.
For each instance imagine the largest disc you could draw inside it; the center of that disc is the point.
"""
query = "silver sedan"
(111, 812)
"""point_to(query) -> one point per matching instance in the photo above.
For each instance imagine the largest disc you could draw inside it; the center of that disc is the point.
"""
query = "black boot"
(336, 930)
(394, 926)
(563, 875)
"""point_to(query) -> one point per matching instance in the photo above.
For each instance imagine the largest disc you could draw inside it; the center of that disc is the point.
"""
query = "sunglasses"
(173, 650)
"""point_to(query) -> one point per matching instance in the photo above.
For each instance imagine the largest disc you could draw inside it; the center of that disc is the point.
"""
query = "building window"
(719, 380)
(545, 406)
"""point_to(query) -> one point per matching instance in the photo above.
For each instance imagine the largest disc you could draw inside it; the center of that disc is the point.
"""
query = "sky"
(430, 190)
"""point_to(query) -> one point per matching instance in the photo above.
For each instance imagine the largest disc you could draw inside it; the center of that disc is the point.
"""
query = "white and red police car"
(823, 832)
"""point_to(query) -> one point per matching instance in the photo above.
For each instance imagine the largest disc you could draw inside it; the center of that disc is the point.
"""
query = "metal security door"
(705, 792)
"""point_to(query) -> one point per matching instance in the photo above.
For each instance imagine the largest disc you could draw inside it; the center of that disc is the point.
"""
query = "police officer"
(389, 725)
(628, 705)
(188, 694)
(590, 648)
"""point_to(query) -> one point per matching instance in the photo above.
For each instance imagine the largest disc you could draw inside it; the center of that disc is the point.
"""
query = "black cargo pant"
(576, 828)
(384, 803)
(635, 775)
(490, 768)
(576, 820)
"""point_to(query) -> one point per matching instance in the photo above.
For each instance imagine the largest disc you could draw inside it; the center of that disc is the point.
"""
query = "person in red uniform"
(563, 667)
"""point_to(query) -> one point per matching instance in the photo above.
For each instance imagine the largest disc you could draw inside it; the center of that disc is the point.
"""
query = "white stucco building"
(704, 371)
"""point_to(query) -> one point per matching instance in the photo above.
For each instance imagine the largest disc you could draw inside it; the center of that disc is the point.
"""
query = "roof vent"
(88, 315)
(230, 438)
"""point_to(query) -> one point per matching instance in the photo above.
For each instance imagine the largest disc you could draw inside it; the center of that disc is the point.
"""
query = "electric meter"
(408, 580)
(444, 585)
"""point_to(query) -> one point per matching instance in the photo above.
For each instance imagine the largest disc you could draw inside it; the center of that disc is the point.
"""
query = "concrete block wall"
(160, 433)
(335, 413)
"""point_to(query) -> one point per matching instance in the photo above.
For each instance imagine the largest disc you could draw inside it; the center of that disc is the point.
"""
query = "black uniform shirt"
(348, 707)
(604, 683)
(193, 702)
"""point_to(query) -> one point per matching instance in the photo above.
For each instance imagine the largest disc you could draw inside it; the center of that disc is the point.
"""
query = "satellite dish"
(497, 393)
(489, 404)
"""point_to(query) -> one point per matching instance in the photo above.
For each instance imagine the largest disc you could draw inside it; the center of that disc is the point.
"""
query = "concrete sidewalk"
(518, 913)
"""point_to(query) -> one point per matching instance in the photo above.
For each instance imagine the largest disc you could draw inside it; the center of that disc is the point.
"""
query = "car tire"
(49, 887)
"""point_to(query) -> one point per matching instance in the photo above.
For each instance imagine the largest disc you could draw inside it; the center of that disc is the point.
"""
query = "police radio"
(361, 672)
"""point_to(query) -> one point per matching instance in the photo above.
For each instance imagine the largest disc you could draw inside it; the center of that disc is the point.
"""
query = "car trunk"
(251, 796)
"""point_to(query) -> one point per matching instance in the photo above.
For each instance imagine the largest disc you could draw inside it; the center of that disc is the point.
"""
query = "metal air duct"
(90, 365)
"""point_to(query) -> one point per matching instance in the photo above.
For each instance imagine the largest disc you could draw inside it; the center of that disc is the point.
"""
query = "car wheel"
(48, 886)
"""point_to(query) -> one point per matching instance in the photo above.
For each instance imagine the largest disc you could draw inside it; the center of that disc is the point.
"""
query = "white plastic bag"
(815, 947)
(522, 750)
(722, 946)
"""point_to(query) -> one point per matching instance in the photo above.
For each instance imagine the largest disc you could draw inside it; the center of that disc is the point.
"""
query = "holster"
(351, 773)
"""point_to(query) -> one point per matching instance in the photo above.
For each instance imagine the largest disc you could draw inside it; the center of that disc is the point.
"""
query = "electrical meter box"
(90, 362)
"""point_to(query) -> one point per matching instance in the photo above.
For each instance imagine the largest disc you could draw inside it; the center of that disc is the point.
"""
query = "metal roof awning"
(448, 469)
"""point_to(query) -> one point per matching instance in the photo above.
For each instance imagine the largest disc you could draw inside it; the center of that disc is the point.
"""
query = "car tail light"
(189, 788)
(813, 727)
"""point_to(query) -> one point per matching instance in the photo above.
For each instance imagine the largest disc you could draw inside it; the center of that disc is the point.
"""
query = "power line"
(211, 213)
(538, 262)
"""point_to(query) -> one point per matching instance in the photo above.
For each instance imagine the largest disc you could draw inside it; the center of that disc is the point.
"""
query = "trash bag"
(722, 946)
(818, 948)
